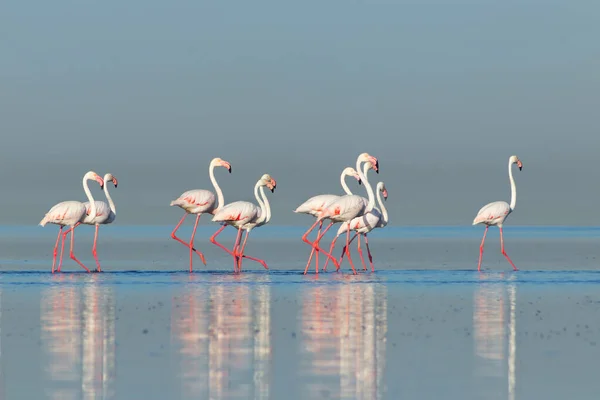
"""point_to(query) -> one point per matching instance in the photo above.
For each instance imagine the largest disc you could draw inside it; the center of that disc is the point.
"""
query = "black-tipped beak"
(377, 170)
(520, 168)
(272, 190)
(229, 169)
(101, 186)
(116, 184)
(360, 181)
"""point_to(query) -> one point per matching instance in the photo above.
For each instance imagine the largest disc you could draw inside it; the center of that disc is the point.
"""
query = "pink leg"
(331, 247)
(94, 250)
(72, 253)
(235, 247)
(344, 250)
(348, 249)
(192, 249)
(56, 248)
(504, 252)
(369, 253)
(481, 248)
(360, 253)
(258, 260)
(191, 244)
(63, 244)
(315, 244)
(213, 240)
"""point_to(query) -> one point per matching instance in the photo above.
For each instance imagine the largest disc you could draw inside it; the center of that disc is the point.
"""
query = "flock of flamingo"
(355, 213)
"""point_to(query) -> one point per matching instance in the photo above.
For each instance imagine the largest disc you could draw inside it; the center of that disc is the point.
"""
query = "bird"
(240, 213)
(345, 208)
(200, 201)
(71, 213)
(377, 218)
(315, 204)
(355, 221)
(495, 213)
(105, 214)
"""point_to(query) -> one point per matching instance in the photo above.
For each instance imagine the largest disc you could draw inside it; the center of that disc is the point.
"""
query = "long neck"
(384, 214)
(86, 189)
(220, 199)
(266, 216)
(344, 185)
(513, 188)
(110, 200)
(259, 199)
(363, 178)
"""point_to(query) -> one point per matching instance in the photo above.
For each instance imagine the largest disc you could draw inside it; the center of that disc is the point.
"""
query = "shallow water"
(425, 325)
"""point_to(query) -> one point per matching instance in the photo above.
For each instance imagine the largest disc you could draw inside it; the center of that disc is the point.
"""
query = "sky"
(442, 92)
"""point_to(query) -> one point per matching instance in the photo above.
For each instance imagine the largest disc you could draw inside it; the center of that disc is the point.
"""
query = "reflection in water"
(78, 335)
(490, 324)
(344, 332)
(224, 340)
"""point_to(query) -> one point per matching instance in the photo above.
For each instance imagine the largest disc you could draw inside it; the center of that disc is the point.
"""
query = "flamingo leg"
(72, 254)
(360, 253)
(481, 247)
(312, 251)
(192, 249)
(369, 253)
(213, 240)
(317, 248)
(241, 251)
(504, 252)
(331, 247)
(348, 249)
(94, 252)
(344, 250)
(235, 246)
(258, 260)
(62, 249)
(56, 248)
(191, 244)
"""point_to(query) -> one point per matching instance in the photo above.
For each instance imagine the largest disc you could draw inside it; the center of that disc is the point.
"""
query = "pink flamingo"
(243, 215)
(200, 201)
(495, 213)
(315, 205)
(105, 214)
(364, 224)
(346, 208)
(71, 213)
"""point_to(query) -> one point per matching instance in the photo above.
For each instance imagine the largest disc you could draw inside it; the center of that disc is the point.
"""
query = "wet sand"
(425, 325)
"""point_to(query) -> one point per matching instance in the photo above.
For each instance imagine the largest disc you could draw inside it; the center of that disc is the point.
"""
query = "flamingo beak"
(520, 165)
(385, 194)
(273, 185)
(374, 164)
(227, 165)
(358, 179)
(115, 182)
(100, 182)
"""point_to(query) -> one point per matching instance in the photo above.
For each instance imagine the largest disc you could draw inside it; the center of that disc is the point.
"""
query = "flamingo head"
(218, 162)
(366, 157)
(515, 160)
(384, 191)
(91, 175)
(268, 181)
(349, 171)
(109, 177)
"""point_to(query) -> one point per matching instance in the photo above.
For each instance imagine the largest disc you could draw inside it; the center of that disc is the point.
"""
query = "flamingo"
(105, 214)
(315, 204)
(364, 224)
(346, 208)
(71, 213)
(241, 215)
(200, 201)
(495, 213)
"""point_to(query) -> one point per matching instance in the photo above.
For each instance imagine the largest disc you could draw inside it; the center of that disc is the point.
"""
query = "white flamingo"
(105, 214)
(315, 205)
(200, 201)
(495, 213)
(241, 215)
(71, 213)
(377, 218)
(346, 208)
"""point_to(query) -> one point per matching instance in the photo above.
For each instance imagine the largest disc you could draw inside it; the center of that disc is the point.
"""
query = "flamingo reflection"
(491, 321)
(344, 331)
(78, 333)
(224, 337)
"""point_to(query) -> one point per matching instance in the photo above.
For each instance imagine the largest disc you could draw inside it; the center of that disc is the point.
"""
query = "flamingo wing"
(345, 208)
(237, 213)
(196, 201)
(103, 212)
(316, 204)
(493, 213)
(64, 213)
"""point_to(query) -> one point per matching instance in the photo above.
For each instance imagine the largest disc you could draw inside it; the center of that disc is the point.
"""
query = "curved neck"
(86, 189)
(344, 185)
(384, 214)
(513, 188)
(259, 199)
(110, 200)
(266, 215)
(363, 177)
(220, 199)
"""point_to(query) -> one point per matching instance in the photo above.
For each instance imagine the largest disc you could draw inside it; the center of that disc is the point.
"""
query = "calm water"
(425, 325)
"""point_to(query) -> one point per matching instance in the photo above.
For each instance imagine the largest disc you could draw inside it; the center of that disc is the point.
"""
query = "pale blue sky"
(443, 92)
